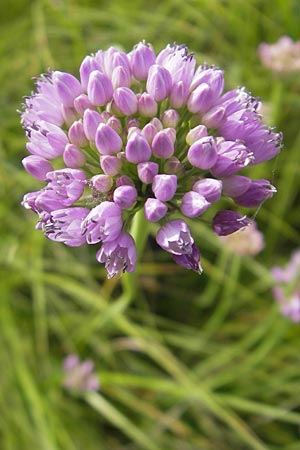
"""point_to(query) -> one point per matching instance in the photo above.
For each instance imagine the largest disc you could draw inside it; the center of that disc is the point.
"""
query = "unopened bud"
(111, 165)
(107, 140)
(102, 183)
(154, 209)
(37, 166)
(170, 118)
(73, 156)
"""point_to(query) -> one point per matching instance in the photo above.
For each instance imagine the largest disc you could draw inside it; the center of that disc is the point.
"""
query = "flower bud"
(69, 114)
(115, 124)
(236, 185)
(120, 77)
(201, 99)
(147, 171)
(203, 153)
(137, 149)
(76, 134)
(88, 65)
(179, 94)
(132, 131)
(227, 222)
(73, 156)
(157, 123)
(171, 132)
(159, 82)
(149, 131)
(111, 165)
(99, 89)
(147, 106)
(132, 122)
(210, 188)
(174, 166)
(81, 103)
(57, 140)
(67, 87)
(102, 183)
(162, 145)
(114, 58)
(154, 209)
(170, 118)
(90, 121)
(105, 116)
(195, 134)
(142, 58)
(107, 140)
(258, 192)
(37, 166)
(164, 187)
(125, 196)
(124, 180)
(125, 100)
(212, 76)
(193, 204)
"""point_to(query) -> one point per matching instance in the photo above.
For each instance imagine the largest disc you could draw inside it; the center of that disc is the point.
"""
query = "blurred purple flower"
(286, 290)
(247, 241)
(282, 56)
(79, 375)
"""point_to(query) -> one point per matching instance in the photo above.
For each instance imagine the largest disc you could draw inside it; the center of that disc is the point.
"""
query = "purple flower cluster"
(141, 130)
(79, 375)
(287, 288)
(283, 56)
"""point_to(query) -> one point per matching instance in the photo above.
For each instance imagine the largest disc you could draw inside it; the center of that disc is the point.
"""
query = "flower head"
(79, 375)
(282, 56)
(141, 131)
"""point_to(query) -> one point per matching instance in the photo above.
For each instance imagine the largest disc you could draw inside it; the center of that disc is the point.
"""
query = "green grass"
(185, 362)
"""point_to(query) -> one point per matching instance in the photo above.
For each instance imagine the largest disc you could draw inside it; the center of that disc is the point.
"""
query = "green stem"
(139, 232)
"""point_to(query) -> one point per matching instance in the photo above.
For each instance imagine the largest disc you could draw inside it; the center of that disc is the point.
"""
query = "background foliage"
(185, 362)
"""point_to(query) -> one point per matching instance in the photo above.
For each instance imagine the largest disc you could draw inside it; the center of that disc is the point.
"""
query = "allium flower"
(63, 225)
(79, 375)
(287, 287)
(118, 255)
(142, 131)
(283, 56)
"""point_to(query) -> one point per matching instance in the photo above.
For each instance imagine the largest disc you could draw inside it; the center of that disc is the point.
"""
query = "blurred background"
(193, 362)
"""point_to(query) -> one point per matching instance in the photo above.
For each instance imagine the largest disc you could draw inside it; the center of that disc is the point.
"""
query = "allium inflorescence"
(141, 130)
